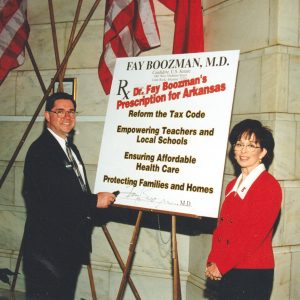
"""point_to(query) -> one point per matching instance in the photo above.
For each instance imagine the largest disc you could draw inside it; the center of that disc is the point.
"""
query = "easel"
(125, 268)
(132, 246)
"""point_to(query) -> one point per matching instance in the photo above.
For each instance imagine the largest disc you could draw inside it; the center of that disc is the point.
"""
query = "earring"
(260, 160)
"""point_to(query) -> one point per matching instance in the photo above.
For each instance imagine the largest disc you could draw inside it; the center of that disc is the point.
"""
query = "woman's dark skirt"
(247, 284)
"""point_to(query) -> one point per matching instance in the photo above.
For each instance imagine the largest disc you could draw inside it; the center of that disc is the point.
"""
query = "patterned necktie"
(75, 167)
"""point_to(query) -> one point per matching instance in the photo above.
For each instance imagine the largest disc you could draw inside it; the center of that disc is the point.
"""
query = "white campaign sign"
(165, 135)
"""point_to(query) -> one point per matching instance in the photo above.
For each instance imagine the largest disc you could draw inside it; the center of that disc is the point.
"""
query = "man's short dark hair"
(58, 96)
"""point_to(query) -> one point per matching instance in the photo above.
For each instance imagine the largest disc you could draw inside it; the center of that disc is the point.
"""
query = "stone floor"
(8, 295)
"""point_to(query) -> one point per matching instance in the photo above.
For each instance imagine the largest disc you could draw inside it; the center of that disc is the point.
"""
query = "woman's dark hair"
(262, 134)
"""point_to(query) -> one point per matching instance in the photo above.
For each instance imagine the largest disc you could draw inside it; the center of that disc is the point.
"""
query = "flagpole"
(54, 39)
(35, 67)
(31, 123)
(75, 21)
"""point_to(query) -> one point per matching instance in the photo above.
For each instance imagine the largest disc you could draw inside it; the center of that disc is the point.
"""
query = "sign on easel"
(165, 135)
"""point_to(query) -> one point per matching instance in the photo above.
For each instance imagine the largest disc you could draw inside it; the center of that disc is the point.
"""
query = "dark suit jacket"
(59, 213)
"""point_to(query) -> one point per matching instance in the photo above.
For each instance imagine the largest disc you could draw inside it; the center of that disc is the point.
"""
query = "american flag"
(130, 28)
(14, 32)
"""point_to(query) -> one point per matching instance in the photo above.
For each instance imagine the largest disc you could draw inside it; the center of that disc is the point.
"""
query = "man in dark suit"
(60, 207)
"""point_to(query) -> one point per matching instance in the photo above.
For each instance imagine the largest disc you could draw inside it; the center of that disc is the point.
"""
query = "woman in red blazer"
(241, 255)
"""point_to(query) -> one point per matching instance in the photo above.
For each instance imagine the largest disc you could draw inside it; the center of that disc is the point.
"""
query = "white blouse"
(241, 188)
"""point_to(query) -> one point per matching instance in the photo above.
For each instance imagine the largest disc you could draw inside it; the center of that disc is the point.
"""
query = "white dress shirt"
(62, 143)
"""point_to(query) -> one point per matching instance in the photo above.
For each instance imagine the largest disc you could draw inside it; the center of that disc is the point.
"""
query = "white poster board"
(166, 129)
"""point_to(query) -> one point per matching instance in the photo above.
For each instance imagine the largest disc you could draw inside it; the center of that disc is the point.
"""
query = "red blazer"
(243, 237)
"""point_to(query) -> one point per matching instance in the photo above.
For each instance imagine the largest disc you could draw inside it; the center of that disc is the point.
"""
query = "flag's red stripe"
(123, 19)
(125, 34)
(8, 11)
(15, 42)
